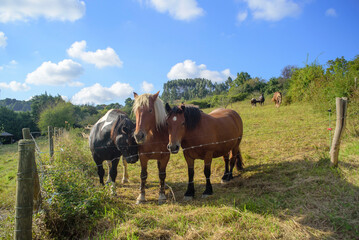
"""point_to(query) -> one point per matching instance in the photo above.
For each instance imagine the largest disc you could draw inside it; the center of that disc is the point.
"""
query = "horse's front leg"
(142, 197)
(190, 187)
(113, 174)
(162, 164)
(226, 176)
(207, 173)
(125, 172)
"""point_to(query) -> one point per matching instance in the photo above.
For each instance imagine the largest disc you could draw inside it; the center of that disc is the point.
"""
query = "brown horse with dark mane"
(152, 136)
(205, 136)
(277, 99)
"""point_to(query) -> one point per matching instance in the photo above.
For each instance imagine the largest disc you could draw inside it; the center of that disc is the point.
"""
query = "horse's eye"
(150, 110)
(183, 124)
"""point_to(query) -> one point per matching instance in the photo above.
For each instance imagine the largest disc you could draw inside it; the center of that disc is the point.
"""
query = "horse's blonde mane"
(160, 112)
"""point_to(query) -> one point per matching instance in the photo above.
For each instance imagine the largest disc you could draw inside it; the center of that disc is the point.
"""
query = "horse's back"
(227, 121)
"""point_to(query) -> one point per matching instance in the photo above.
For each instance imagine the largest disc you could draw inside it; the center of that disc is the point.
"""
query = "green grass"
(287, 189)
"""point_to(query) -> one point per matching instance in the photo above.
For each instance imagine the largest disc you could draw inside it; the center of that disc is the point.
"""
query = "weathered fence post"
(341, 105)
(37, 191)
(51, 142)
(24, 190)
(56, 132)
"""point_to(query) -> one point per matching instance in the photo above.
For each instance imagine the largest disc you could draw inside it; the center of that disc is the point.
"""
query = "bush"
(62, 115)
(73, 204)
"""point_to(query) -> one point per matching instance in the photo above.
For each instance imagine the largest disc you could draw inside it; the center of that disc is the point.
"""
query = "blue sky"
(101, 51)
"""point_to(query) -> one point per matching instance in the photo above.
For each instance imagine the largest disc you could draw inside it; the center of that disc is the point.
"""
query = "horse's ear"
(135, 95)
(168, 108)
(125, 130)
(155, 96)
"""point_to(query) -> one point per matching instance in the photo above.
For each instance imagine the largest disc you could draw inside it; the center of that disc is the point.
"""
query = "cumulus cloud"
(15, 86)
(101, 58)
(23, 10)
(189, 69)
(54, 74)
(273, 10)
(181, 10)
(3, 39)
(98, 94)
(146, 87)
(331, 12)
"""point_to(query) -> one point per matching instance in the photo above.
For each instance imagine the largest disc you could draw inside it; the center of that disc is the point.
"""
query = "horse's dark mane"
(121, 118)
(192, 115)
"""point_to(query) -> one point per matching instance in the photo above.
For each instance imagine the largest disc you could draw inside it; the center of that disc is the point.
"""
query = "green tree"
(41, 102)
(61, 115)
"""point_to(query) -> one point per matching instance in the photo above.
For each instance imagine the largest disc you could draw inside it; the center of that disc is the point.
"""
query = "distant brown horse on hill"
(152, 136)
(205, 136)
(277, 99)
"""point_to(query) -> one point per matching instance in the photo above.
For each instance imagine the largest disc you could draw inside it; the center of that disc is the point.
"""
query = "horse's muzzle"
(173, 148)
(140, 137)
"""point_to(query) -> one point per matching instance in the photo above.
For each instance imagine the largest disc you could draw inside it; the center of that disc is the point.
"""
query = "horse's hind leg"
(162, 164)
(226, 169)
(109, 166)
(125, 172)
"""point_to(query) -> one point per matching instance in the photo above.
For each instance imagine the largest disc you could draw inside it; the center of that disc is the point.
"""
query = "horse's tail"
(239, 160)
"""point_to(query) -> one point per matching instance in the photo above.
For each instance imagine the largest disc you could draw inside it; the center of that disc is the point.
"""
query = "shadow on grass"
(311, 192)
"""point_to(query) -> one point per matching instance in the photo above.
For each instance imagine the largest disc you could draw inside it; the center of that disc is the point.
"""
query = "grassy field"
(287, 189)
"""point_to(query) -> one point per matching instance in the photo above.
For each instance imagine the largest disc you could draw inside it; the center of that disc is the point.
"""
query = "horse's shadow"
(310, 191)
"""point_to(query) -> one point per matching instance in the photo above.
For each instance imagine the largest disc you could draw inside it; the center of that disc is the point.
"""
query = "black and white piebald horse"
(110, 138)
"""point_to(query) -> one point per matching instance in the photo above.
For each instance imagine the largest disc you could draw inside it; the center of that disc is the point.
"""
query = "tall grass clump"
(72, 204)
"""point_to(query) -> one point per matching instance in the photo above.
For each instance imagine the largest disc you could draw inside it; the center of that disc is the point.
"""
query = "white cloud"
(189, 69)
(98, 94)
(13, 62)
(3, 39)
(146, 87)
(331, 12)
(54, 74)
(101, 58)
(241, 16)
(179, 9)
(23, 10)
(65, 98)
(273, 10)
(15, 86)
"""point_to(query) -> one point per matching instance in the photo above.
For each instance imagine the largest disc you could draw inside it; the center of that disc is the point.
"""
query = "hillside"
(16, 105)
(287, 189)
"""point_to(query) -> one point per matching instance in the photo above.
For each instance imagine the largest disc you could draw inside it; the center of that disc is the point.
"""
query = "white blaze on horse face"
(174, 118)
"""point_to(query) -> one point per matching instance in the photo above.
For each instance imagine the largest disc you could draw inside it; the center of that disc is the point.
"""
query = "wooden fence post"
(37, 191)
(24, 190)
(341, 106)
(51, 142)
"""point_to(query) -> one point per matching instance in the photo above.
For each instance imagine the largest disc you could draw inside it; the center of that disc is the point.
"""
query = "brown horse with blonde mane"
(277, 99)
(152, 136)
(205, 136)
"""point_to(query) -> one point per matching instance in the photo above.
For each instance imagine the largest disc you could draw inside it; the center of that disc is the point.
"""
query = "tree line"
(314, 83)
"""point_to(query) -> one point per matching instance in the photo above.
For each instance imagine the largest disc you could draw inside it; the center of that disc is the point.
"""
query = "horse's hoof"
(224, 181)
(141, 199)
(138, 202)
(188, 198)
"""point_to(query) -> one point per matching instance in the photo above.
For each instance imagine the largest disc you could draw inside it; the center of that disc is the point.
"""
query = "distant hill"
(16, 105)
